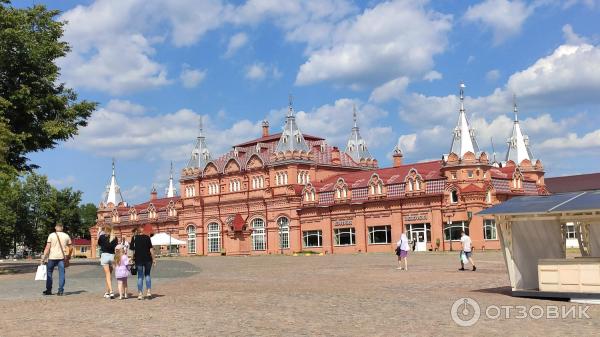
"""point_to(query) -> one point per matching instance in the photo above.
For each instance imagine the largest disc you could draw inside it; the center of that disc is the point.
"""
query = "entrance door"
(421, 238)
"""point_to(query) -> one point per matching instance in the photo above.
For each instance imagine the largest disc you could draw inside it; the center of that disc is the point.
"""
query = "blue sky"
(156, 66)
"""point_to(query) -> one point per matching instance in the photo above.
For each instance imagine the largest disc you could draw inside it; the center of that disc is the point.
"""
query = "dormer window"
(517, 181)
(376, 185)
(453, 197)
(172, 212)
(488, 197)
(115, 217)
(470, 173)
(453, 175)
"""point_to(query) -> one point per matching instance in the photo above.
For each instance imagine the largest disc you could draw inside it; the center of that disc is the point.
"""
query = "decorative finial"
(171, 169)
(200, 126)
(290, 105)
(515, 107)
(113, 166)
(354, 115)
(493, 149)
(462, 95)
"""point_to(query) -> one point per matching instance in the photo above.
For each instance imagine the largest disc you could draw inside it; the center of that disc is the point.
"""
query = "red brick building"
(290, 192)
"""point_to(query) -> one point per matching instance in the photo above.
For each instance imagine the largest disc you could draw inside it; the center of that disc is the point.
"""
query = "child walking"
(121, 270)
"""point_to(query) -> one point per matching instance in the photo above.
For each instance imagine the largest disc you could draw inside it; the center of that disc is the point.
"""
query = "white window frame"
(338, 232)
(191, 238)
(259, 237)
(283, 225)
(382, 228)
(308, 234)
(491, 223)
(214, 237)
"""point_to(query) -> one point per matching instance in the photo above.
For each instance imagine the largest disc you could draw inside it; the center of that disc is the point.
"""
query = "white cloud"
(62, 182)
(170, 136)
(408, 142)
(392, 89)
(492, 75)
(256, 71)
(591, 4)
(259, 71)
(391, 40)
(570, 75)
(136, 192)
(432, 76)
(571, 37)
(334, 122)
(573, 142)
(191, 77)
(504, 17)
(236, 42)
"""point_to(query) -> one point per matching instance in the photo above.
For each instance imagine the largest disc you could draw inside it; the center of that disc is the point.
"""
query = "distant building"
(82, 248)
(290, 192)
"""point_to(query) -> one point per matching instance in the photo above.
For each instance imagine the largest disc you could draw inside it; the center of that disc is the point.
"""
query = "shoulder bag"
(65, 259)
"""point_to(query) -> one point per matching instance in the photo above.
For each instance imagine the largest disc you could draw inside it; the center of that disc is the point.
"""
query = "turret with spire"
(518, 144)
(291, 137)
(113, 192)
(356, 146)
(171, 188)
(463, 140)
(200, 154)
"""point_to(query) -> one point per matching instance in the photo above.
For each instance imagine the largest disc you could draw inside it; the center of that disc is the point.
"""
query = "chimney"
(265, 128)
(153, 194)
(397, 157)
(335, 156)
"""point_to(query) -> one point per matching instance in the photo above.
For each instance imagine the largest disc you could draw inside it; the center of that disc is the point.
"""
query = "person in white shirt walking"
(402, 251)
(465, 240)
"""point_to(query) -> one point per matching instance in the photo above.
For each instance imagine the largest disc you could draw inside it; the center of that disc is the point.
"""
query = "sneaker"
(140, 296)
(111, 296)
(461, 268)
(474, 268)
(60, 293)
(399, 268)
(148, 295)
(47, 292)
(106, 295)
(125, 296)
(121, 297)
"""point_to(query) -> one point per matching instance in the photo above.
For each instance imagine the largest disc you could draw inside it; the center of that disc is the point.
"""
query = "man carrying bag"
(57, 253)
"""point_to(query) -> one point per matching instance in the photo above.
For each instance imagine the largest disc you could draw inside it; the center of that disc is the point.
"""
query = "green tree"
(88, 215)
(36, 110)
(64, 208)
(10, 187)
(35, 208)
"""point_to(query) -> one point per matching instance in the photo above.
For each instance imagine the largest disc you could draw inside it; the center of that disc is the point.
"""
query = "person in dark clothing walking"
(144, 259)
(107, 243)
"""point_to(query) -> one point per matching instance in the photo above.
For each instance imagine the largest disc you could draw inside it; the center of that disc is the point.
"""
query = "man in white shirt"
(57, 253)
(465, 240)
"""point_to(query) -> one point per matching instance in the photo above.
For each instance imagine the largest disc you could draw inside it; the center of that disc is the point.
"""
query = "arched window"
(283, 225)
(214, 237)
(312, 195)
(171, 212)
(417, 185)
(191, 241)
(285, 178)
(379, 188)
(258, 234)
(488, 196)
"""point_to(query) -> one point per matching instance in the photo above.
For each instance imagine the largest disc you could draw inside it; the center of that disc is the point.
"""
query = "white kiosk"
(533, 237)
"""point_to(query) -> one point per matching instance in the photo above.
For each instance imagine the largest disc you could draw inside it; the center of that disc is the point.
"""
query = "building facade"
(290, 192)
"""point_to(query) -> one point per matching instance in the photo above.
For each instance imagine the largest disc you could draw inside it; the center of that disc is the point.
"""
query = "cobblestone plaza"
(331, 295)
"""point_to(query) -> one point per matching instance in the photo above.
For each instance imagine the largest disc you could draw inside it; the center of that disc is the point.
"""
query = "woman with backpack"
(402, 251)
(107, 242)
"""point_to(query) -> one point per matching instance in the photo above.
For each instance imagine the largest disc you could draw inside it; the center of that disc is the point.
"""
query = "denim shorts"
(468, 254)
(106, 259)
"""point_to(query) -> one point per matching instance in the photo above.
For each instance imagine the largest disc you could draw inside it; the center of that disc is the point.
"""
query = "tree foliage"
(36, 111)
(30, 207)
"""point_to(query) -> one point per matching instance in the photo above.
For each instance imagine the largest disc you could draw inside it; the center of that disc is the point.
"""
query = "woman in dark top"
(143, 256)
(107, 243)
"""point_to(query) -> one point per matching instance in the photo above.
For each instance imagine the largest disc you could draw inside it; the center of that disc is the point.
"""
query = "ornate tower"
(113, 191)
(171, 188)
(518, 144)
(464, 136)
(291, 137)
(356, 146)
(200, 154)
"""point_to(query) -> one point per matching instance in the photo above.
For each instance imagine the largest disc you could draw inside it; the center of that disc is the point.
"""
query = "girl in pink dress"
(121, 270)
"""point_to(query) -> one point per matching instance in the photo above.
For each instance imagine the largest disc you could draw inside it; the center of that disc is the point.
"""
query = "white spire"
(200, 154)
(291, 137)
(464, 136)
(113, 192)
(171, 189)
(518, 144)
(356, 146)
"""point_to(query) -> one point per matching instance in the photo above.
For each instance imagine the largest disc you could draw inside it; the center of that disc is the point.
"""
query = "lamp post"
(449, 223)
